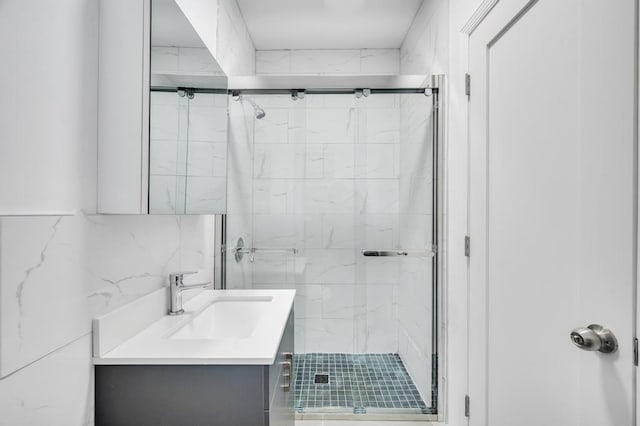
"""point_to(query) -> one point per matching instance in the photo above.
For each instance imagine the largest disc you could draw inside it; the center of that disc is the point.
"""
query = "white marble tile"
(56, 390)
(382, 125)
(377, 196)
(273, 62)
(380, 161)
(163, 157)
(378, 231)
(418, 365)
(314, 161)
(313, 231)
(61, 271)
(329, 335)
(274, 269)
(163, 194)
(416, 160)
(235, 51)
(326, 266)
(205, 195)
(343, 101)
(331, 125)
(43, 300)
(278, 231)
(240, 159)
(207, 124)
(339, 161)
(338, 301)
(338, 231)
(309, 302)
(328, 196)
(425, 48)
(165, 124)
(276, 196)
(415, 194)
(325, 61)
(207, 159)
(379, 270)
(277, 161)
(415, 231)
(274, 127)
(382, 326)
(164, 59)
(300, 333)
(380, 61)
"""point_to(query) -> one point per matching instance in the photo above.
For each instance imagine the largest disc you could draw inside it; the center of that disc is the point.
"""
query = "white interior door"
(552, 205)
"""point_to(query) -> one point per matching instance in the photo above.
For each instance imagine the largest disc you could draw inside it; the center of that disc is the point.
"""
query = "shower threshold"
(337, 385)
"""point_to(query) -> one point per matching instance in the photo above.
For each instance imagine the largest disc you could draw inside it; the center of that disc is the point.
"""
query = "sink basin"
(218, 327)
(226, 318)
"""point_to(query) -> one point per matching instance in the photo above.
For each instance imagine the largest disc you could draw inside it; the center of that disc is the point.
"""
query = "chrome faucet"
(177, 287)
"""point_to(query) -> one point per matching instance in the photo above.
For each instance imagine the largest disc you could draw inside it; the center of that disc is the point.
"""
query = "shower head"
(259, 112)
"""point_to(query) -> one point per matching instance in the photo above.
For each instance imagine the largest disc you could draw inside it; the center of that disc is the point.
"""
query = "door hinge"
(635, 352)
(466, 405)
(467, 246)
(467, 84)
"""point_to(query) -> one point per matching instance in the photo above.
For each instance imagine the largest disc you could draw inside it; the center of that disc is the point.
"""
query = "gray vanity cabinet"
(198, 395)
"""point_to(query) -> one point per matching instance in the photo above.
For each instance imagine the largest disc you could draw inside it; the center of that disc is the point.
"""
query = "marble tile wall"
(425, 49)
(323, 175)
(56, 274)
(235, 51)
(323, 62)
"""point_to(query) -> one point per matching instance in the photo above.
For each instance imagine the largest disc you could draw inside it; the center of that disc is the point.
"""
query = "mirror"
(188, 119)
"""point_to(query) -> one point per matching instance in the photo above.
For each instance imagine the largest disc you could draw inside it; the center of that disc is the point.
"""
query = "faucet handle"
(177, 276)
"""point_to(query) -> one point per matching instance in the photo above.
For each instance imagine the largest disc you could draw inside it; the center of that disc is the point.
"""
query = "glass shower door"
(313, 184)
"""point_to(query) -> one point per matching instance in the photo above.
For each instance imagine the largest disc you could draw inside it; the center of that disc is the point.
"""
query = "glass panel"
(188, 115)
(329, 176)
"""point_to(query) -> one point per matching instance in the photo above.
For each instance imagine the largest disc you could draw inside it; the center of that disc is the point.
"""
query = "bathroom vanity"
(228, 360)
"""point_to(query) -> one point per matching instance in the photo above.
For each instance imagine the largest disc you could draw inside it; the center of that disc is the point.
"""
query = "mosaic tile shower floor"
(357, 382)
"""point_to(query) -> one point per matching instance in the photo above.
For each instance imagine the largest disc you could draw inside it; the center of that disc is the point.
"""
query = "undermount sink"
(225, 318)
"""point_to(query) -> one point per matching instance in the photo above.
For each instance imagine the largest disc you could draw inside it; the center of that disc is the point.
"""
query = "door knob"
(594, 338)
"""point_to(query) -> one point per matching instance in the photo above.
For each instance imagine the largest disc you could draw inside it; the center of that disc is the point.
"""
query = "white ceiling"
(328, 24)
(169, 26)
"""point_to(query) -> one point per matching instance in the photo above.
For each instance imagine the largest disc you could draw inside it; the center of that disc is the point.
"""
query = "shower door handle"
(383, 253)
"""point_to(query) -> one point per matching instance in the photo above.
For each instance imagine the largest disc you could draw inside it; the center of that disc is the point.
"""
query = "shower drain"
(321, 379)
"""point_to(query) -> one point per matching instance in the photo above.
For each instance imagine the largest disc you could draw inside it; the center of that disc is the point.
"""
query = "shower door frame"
(435, 89)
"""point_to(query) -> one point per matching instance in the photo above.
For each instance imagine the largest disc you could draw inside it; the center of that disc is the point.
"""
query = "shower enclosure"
(336, 195)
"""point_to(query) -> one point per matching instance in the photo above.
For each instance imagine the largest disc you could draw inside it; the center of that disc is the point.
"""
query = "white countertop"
(157, 344)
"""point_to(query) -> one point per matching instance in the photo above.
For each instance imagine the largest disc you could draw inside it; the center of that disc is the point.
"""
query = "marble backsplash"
(58, 272)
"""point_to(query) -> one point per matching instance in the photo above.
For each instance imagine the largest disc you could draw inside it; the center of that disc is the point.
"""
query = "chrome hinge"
(467, 246)
(467, 84)
(635, 351)
(466, 405)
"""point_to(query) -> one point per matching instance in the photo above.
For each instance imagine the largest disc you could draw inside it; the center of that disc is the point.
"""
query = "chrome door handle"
(384, 253)
(595, 338)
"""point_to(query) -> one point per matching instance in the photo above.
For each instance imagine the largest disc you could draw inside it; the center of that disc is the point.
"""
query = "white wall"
(57, 272)
(323, 62)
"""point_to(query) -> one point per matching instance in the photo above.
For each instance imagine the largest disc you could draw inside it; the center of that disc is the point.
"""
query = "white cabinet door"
(552, 212)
